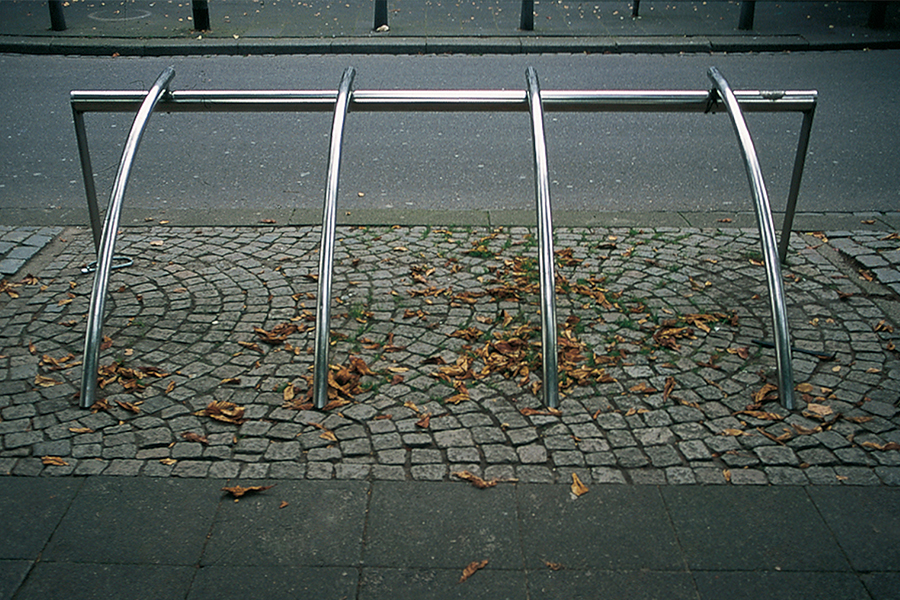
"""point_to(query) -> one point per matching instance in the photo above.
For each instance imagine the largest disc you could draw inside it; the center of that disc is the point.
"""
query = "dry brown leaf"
(195, 437)
(767, 392)
(733, 432)
(252, 346)
(336, 404)
(553, 566)
(804, 388)
(475, 479)
(226, 412)
(129, 406)
(237, 491)
(55, 461)
(882, 447)
(168, 461)
(170, 387)
(284, 504)
(43, 381)
(726, 473)
(425, 421)
(667, 390)
(472, 567)
(550, 412)
(818, 410)
(81, 430)
(99, 405)
(578, 488)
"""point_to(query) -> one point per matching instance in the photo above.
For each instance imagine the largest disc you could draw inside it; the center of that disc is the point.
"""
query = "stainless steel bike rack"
(107, 245)
(532, 100)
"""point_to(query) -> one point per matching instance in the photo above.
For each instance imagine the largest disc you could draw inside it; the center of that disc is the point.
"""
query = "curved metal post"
(796, 176)
(326, 252)
(108, 241)
(767, 239)
(550, 360)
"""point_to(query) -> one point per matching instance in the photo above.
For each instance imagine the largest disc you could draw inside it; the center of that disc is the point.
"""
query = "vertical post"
(200, 8)
(796, 176)
(87, 173)
(326, 251)
(381, 14)
(57, 18)
(635, 9)
(550, 359)
(777, 303)
(748, 9)
(526, 19)
(877, 15)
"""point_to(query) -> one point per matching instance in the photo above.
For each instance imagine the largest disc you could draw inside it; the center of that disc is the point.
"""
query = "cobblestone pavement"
(19, 244)
(434, 347)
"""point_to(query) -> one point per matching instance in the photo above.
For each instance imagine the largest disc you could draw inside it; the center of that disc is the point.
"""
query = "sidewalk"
(154, 28)
(184, 538)
(700, 484)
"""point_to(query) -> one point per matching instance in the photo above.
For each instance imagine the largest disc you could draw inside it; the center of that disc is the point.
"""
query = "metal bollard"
(200, 9)
(635, 9)
(381, 14)
(57, 19)
(748, 9)
(526, 21)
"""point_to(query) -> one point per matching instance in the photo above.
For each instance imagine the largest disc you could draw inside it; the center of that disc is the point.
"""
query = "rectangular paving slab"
(752, 529)
(131, 520)
(321, 525)
(610, 528)
(429, 525)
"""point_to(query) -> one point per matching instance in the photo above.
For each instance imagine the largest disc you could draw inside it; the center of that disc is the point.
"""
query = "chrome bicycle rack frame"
(531, 100)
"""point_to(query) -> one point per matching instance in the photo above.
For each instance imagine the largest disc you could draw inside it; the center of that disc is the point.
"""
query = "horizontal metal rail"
(532, 100)
(441, 100)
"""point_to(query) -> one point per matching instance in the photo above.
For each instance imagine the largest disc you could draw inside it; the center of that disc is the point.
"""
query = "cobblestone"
(189, 308)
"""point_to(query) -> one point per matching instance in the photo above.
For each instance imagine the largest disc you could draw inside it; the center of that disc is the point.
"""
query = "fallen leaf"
(55, 461)
(284, 504)
(475, 479)
(578, 488)
(726, 473)
(81, 430)
(328, 435)
(168, 461)
(670, 385)
(554, 566)
(804, 388)
(550, 412)
(226, 412)
(335, 404)
(237, 491)
(733, 432)
(195, 437)
(129, 406)
(472, 568)
(170, 387)
(425, 421)
(818, 410)
(882, 447)
(42, 381)
(230, 381)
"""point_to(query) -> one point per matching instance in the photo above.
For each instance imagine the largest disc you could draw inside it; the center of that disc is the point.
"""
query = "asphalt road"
(616, 162)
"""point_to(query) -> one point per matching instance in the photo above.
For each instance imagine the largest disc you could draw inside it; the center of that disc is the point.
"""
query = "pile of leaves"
(132, 379)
